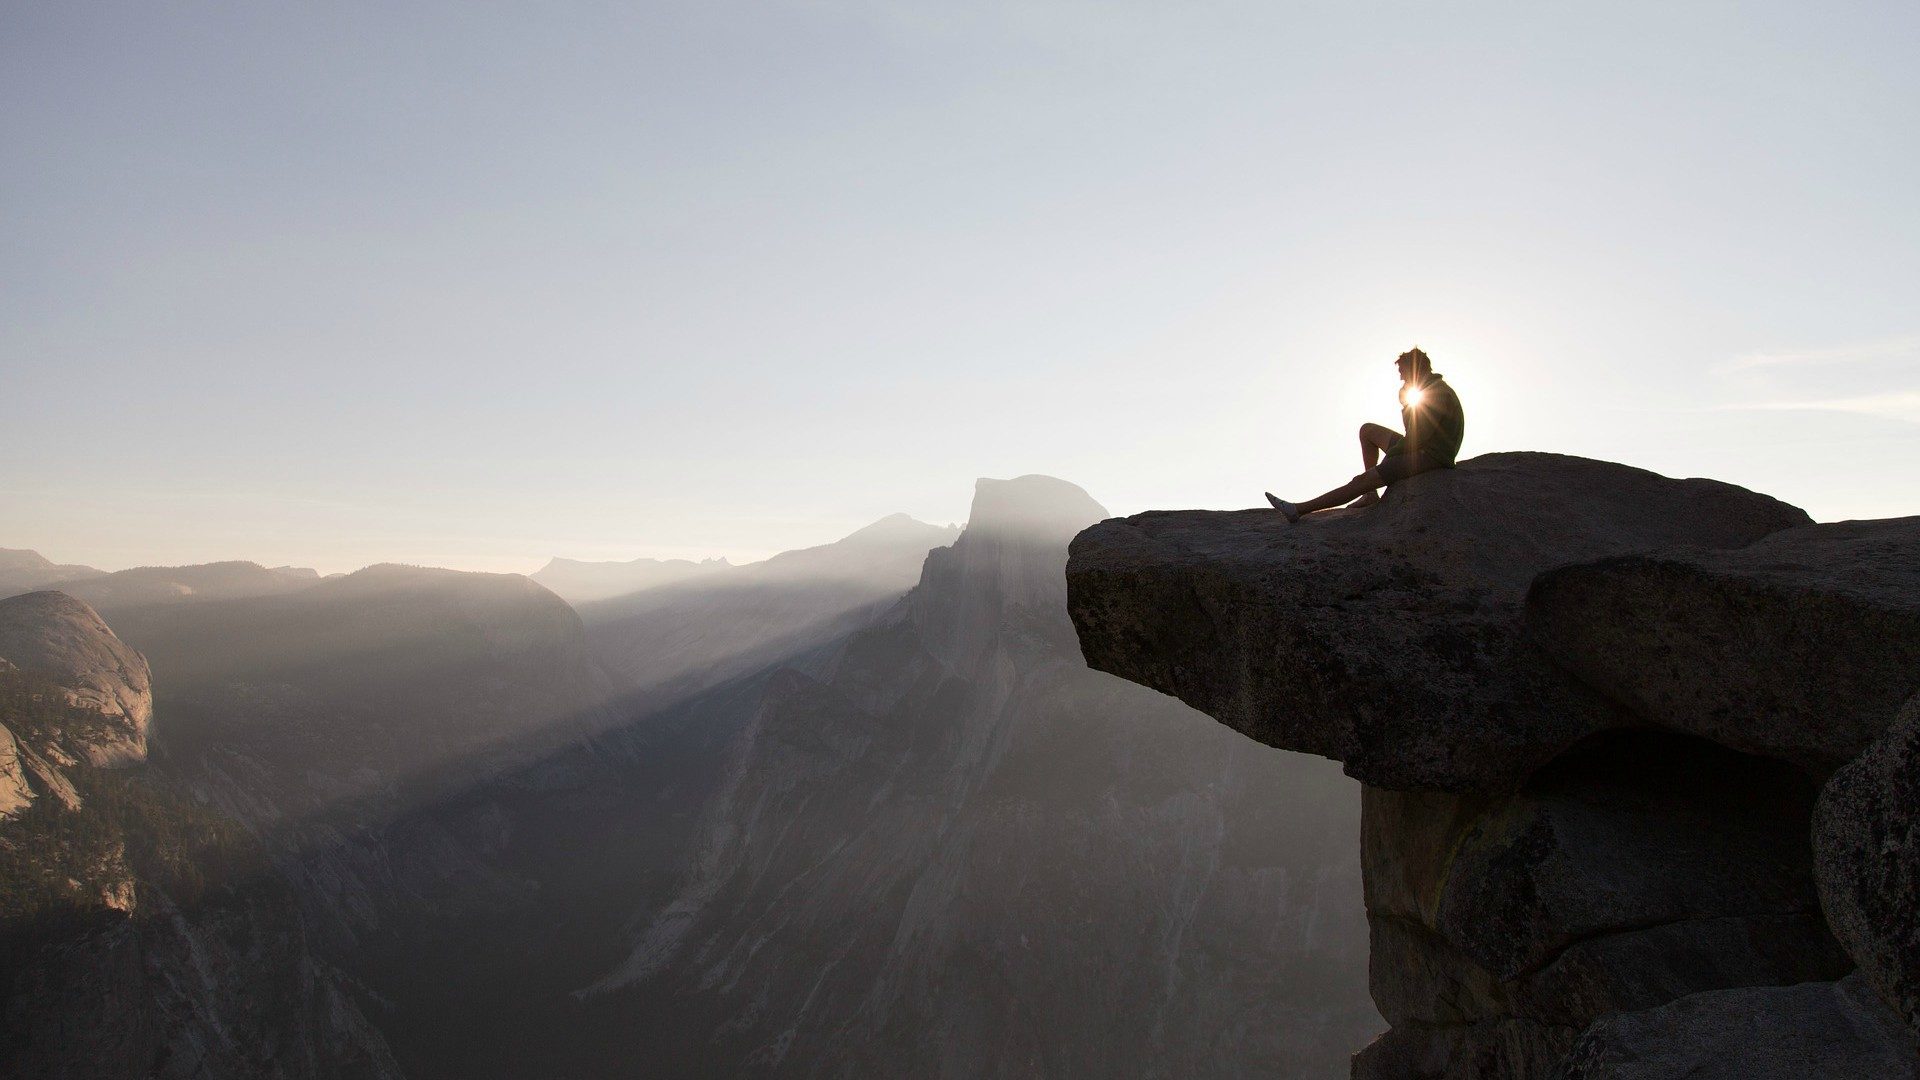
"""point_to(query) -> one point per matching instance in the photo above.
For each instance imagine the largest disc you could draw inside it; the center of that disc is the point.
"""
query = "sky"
(473, 285)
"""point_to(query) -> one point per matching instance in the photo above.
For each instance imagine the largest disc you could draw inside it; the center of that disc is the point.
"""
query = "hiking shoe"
(1287, 509)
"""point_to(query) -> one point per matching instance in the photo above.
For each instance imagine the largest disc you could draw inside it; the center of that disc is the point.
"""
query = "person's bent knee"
(1378, 435)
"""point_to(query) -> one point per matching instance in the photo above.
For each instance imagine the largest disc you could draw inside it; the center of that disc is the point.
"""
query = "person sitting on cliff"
(1429, 410)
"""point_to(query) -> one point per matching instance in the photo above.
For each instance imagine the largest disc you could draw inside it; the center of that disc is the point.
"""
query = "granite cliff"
(1598, 714)
(62, 639)
(941, 846)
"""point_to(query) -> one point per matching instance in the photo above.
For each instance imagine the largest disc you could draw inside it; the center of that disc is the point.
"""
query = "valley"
(859, 809)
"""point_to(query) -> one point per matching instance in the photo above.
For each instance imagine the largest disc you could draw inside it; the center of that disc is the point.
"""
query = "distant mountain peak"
(24, 570)
(1033, 503)
(23, 559)
(561, 562)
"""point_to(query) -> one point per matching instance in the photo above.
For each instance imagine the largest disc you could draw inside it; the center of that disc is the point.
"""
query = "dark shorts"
(1396, 467)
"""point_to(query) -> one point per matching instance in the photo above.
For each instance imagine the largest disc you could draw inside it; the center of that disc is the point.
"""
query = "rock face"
(1811, 636)
(1867, 840)
(16, 793)
(944, 847)
(1637, 869)
(56, 636)
(1754, 1033)
(1389, 639)
(1593, 707)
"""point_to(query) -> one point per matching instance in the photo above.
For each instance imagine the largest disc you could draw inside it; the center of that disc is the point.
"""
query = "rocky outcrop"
(1867, 840)
(1390, 639)
(16, 794)
(1800, 646)
(1815, 1029)
(1593, 707)
(60, 638)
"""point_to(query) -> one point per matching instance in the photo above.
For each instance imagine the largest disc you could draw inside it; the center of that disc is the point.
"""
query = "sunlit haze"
(472, 287)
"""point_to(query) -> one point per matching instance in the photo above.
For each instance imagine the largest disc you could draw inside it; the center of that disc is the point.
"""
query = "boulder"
(1800, 646)
(61, 639)
(1867, 857)
(1828, 1030)
(1389, 638)
(16, 794)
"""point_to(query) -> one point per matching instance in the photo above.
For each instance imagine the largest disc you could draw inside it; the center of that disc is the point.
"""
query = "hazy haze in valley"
(860, 806)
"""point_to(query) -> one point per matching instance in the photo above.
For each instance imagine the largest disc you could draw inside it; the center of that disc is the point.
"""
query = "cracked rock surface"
(1800, 646)
(1867, 842)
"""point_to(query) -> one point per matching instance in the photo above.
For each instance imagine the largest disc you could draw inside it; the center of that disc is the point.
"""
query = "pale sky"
(470, 285)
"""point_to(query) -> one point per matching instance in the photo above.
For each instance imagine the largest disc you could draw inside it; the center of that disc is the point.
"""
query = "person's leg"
(1390, 471)
(1364, 483)
(1374, 441)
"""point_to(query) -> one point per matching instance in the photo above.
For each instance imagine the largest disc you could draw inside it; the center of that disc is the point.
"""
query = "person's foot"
(1368, 499)
(1287, 509)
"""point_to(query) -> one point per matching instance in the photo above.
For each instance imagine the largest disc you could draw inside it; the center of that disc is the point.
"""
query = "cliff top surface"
(1496, 520)
(1390, 638)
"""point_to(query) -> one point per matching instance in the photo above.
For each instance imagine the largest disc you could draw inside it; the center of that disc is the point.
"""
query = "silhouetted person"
(1430, 412)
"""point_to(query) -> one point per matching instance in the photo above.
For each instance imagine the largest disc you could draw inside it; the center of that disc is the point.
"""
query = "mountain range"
(578, 582)
(860, 809)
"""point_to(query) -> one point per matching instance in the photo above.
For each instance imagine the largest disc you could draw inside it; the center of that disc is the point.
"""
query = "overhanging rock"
(1390, 638)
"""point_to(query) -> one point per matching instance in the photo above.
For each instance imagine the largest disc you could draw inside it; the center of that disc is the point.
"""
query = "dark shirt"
(1436, 424)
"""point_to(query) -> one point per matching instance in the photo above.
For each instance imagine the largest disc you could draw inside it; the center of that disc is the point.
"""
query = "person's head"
(1413, 365)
